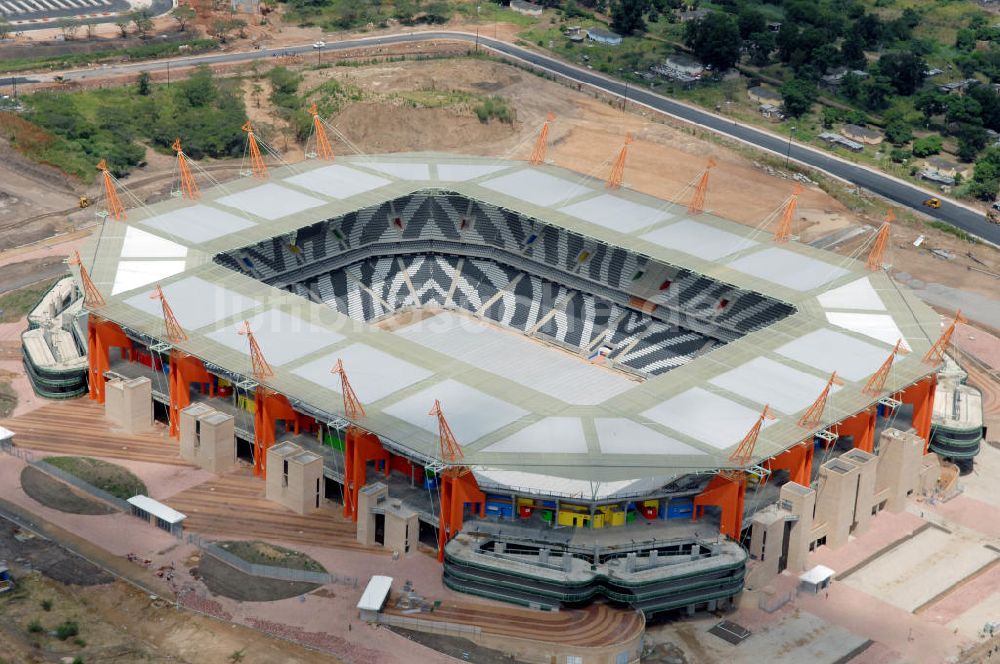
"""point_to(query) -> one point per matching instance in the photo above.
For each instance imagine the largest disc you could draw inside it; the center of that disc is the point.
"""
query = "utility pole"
(168, 74)
(13, 83)
(478, 8)
(788, 150)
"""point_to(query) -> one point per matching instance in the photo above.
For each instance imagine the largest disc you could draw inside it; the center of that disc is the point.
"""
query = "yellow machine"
(84, 202)
(934, 203)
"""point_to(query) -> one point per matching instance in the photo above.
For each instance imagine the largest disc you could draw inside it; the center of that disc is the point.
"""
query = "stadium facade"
(601, 356)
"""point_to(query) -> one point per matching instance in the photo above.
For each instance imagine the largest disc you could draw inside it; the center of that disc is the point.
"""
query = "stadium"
(571, 390)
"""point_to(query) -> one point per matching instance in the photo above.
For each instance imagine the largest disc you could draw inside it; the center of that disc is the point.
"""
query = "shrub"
(926, 146)
(46, 604)
(494, 107)
(35, 627)
(67, 629)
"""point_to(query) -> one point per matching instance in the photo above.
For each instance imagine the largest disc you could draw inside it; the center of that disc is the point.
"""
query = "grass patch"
(8, 399)
(132, 54)
(957, 232)
(17, 303)
(118, 481)
(261, 553)
(67, 629)
(495, 108)
(436, 98)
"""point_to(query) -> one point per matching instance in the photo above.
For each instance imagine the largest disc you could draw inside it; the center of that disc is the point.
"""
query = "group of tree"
(119, 123)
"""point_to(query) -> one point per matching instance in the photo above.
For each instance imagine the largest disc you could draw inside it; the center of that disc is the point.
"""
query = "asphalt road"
(897, 191)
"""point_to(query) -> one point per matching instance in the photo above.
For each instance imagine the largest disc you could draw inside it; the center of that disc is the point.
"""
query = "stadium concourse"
(624, 383)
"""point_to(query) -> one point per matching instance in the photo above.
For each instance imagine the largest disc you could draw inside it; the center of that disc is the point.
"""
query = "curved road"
(898, 191)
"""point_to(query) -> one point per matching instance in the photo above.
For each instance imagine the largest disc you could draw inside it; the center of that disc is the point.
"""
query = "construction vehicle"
(993, 216)
(933, 203)
(6, 580)
(84, 202)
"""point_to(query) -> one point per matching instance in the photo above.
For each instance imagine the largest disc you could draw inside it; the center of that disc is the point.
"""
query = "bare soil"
(459, 648)
(222, 579)
(58, 495)
(36, 553)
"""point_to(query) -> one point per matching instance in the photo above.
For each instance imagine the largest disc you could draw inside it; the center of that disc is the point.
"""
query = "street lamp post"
(478, 9)
(319, 55)
(788, 150)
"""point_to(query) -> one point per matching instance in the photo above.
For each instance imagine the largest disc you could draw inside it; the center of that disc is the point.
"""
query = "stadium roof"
(518, 419)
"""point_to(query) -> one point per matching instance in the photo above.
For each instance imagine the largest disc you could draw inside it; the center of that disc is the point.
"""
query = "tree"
(255, 92)
(68, 27)
(965, 40)
(898, 133)
(142, 21)
(926, 146)
(183, 14)
(931, 103)
(798, 96)
(142, 84)
(760, 46)
(852, 51)
(5, 28)
(199, 90)
(875, 93)
(751, 21)
(122, 25)
(971, 139)
(91, 28)
(715, 40)
(986, 177)
(905, 71)
(626, 16)
(830, 115)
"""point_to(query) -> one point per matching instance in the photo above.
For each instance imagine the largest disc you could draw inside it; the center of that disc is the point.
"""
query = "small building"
(374, 597)
(957, 87)
(681, 69)
(816, 579)
(208, 438)
(693, 15)
(684, 64)
(946, 167)
(574, 33)
(526, 8)
(772, 112)
(933, 72)
(763, 95)
(604, 37)
(835, 77)
(129, 403)
(861, 134)
(162, 516)
(294, 477)
(774, 26)
(838, 140)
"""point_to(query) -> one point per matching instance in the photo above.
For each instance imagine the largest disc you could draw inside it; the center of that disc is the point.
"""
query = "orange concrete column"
(797, 461)
(101, 336)
(921, 396)
(728, 494)
(862, 427)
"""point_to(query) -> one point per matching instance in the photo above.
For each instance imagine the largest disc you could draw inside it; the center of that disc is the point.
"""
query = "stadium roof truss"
(608, 426)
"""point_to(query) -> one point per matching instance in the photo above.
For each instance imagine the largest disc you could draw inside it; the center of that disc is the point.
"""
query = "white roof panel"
(405, 170)
(133, 274)
(698, 239)
(463, 172)
(765, 381)
(548, 370)
(705, 416)
(198, 223)
(140, 244)
(788, 268)
(337, 181)
(876, 326)
(829, 351)
(617, 435)
(375, 593)
(195, 302)
(536, 187)
(471, 413)
(817, 575)
(557, 486)
(270, 201)
(616, 212)
(561, 435)
(282, 337)
(858, 294)
(157, 509)
(374, 374)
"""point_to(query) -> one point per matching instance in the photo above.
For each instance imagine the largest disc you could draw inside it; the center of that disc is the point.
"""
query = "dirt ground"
(119, 624)
(460, 649)
(58, 495)
(228, 581)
